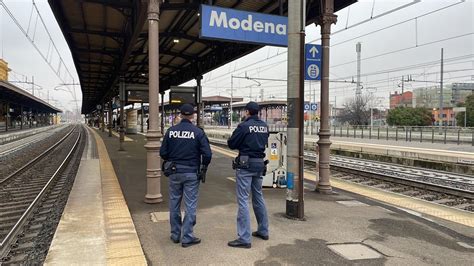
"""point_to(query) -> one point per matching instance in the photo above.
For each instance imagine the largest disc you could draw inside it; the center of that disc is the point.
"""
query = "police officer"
(250, 138)
(183, 146)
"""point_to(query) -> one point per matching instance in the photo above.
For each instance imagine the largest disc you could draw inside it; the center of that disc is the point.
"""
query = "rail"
(452, 135)
(43, 154)
(7, 241)
(404, 175)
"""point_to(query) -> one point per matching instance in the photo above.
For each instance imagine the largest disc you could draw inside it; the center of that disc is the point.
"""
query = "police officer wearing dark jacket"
(250, 138)
(183, 147)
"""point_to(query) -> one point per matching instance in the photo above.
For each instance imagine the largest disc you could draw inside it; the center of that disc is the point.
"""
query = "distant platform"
(12, 135)
(428, 155)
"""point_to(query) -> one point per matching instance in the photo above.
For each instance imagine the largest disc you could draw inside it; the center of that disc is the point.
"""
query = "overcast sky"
(400, 41)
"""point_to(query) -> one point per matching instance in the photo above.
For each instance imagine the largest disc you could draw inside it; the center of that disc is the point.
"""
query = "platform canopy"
(108, 40)
(16, 96)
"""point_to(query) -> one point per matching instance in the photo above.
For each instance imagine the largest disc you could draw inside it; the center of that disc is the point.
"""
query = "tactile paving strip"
(122, 243)
(446, 213)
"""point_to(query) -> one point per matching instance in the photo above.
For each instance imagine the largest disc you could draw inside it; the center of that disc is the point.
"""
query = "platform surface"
(338, 228)
(96, 227)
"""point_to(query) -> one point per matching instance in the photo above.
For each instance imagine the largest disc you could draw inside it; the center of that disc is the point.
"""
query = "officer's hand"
(202, 174)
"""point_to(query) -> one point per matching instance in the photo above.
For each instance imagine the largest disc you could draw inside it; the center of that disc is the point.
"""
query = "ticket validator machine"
(276, 155)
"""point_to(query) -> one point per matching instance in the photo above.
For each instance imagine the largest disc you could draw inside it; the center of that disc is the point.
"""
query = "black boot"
(195, 241)
(238, 244)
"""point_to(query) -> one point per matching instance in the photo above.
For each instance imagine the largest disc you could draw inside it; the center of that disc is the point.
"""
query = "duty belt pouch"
(168, 168)
(244, 162)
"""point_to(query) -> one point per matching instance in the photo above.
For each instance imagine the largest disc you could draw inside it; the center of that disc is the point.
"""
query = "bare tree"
(357, 110)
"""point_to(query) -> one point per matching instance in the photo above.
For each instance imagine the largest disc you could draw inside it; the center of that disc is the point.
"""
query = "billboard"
(243, 26)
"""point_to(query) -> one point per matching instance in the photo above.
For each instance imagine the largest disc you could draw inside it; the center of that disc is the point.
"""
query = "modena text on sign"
(237, 25)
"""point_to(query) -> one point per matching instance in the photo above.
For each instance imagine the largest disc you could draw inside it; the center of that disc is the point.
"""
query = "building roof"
(263, 103)
(210, 100)
(16, 95)
(108, 39)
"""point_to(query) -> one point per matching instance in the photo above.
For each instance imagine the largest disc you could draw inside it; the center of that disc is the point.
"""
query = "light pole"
(232, 77)
(231, 99)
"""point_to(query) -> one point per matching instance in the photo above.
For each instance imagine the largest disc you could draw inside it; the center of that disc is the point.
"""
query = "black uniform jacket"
(184, 144)
(250, 137)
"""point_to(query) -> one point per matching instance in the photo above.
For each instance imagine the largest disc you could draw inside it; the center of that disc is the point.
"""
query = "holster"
(241, 162)
(168, 168)
(265, 167)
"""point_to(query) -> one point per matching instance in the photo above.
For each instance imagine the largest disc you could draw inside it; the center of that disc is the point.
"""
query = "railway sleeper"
(17, 259)
(15, 213)
(16, 203)
(12, 207)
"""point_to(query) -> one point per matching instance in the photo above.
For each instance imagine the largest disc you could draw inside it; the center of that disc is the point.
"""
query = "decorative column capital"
(325, 21)
(154, 10)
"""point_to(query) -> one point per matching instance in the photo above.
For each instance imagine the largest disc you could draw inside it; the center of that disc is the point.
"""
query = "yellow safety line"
(418, 205)
(421, 206)
(122, 243)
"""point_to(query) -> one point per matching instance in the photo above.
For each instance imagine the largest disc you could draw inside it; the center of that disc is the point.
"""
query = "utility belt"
(243, 162)
(170, 168)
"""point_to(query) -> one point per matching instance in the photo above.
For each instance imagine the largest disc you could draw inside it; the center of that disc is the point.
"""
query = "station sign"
(310, 106)
(243, 26)
(312, 62)
(216, 108)
(459, 109)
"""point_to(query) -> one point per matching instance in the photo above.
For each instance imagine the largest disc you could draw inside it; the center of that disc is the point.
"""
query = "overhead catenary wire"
(220, 78)
(31, 39)
(450, 61)
(332, 34)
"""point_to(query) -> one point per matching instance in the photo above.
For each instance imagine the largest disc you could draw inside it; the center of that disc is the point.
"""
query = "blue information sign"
(237, 25)
(312, 62)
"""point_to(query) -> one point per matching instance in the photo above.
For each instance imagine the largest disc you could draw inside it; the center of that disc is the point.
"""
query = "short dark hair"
(253, 112)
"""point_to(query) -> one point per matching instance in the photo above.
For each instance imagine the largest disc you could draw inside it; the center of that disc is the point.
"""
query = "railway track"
(17, 145)
(15, 155)
(29, 197)
(449, 189)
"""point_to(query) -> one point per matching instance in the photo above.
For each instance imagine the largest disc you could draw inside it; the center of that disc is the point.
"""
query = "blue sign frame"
(312, 70)
(242, 26)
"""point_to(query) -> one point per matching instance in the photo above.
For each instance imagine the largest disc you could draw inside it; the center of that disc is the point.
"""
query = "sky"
(398, 38)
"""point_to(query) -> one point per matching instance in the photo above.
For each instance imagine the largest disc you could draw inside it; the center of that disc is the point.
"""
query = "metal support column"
(163, 114)
(111, 111)
(231, 101)
(102, 118)
(440, 113)
(153, 135)
(141, 117)
(199, 102)
(296, 39)
(327, 18)
(7, 112)
(22, 117)
(122, 119)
